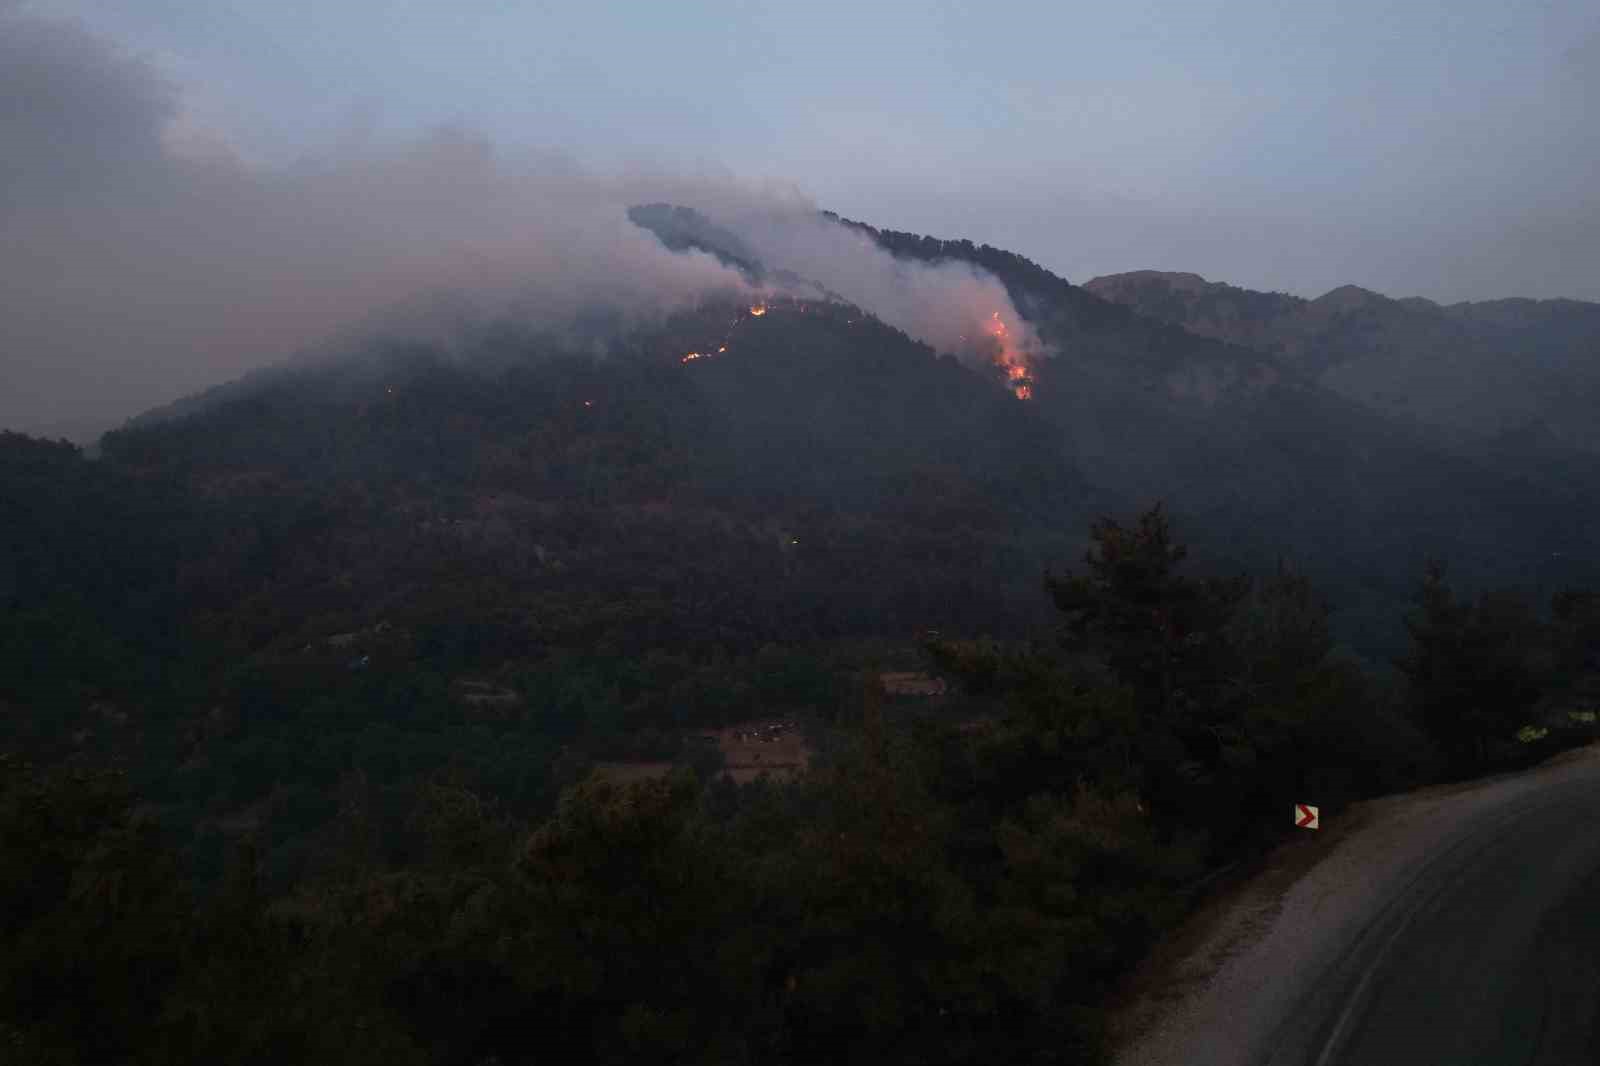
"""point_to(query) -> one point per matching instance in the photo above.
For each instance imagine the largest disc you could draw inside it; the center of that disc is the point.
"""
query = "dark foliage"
(354, 635)
(957, 888)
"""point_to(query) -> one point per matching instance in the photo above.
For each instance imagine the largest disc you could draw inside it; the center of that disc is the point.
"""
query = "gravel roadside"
(1219, 991)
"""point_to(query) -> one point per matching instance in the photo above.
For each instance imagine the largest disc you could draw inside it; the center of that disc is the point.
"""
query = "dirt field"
(773, 746)
(910, 683)
(626, 773)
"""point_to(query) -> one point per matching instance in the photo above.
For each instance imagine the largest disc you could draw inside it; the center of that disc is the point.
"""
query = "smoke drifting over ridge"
(143, 259)
(946, 305)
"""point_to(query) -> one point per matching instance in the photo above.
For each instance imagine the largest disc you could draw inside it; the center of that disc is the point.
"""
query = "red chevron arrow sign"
(1305, 817)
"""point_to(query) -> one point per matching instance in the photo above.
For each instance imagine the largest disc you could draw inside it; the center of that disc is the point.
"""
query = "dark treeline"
(951, 882)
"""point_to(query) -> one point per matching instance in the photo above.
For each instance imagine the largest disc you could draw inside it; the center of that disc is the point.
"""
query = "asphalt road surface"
(1454, 926)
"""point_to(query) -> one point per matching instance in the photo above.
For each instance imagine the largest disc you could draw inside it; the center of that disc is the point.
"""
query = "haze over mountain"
(175, 264)
(180, 227)
(781, 396)
(1491, 367)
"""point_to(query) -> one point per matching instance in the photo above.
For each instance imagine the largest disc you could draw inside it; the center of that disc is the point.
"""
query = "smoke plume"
(950, 306)
(144, 259)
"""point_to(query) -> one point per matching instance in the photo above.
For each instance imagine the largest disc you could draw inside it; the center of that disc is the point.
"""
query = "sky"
(257, 173)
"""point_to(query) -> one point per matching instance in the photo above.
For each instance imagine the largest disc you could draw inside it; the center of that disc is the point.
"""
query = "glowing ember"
(692, 356)
(722, 349)
(758, 309)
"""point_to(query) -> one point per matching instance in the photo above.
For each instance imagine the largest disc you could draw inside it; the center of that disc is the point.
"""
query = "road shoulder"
(1218, 989)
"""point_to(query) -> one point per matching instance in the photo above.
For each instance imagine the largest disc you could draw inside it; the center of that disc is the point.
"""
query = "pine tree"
(1471, 669)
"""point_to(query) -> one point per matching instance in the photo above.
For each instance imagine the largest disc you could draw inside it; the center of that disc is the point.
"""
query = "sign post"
(1305, 817)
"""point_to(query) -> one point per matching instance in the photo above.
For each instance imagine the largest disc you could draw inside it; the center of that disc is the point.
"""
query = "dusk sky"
(1442, 148)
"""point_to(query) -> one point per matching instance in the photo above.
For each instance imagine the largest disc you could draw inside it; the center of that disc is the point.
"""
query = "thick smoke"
(143, 260)
(948, 305)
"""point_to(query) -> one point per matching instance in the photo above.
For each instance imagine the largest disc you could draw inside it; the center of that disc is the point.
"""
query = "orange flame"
(1009, 358)
(758, 309)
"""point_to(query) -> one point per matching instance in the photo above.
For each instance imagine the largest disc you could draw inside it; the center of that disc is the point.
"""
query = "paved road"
(1455, 927)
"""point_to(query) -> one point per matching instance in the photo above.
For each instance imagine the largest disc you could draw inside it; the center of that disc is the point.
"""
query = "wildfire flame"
(1009, 358)
(692, 356)
(756, 310)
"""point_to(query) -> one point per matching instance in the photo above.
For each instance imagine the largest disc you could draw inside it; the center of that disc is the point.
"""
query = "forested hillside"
(512, 560)
(1263, 459)
(949, 880)
(384, 706)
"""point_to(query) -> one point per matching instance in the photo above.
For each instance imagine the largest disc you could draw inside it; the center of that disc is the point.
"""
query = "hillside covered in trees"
(1263, 458)
(359, 710)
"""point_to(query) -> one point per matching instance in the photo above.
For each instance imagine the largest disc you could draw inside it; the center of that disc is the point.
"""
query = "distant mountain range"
(1524, 367)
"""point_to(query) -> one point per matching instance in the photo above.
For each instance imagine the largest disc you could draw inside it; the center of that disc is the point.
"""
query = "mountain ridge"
(815, 407)
(1489, 367)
